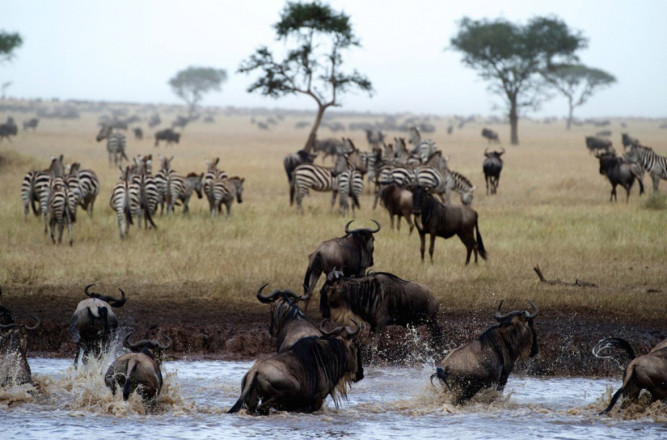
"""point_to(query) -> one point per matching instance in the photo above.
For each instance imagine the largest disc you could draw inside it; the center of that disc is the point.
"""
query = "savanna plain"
(195, 278)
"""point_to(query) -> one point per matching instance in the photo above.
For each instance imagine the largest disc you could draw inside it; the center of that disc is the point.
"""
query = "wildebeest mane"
(323, 357)
(284, 312)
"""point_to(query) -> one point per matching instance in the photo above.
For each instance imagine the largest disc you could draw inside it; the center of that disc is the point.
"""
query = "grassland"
(552, 209)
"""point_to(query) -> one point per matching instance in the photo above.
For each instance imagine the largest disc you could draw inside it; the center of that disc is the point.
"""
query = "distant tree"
(511, 57)
(313, 67)
(578, 83)
(192, 83)
(8, 43)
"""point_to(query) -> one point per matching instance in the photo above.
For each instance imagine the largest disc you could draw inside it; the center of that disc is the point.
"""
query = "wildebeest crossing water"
(390, 402)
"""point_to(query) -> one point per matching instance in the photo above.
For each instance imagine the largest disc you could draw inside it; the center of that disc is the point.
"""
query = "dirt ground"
(209, 329)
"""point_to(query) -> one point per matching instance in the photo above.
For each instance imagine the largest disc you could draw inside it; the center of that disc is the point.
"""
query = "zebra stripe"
(89, 186)
(120, 202)
(143, 199)
(310, 176)
(652, 162)
(224, 191)
(463, 186)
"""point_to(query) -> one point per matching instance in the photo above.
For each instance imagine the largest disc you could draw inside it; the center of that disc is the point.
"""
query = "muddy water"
(390, 402)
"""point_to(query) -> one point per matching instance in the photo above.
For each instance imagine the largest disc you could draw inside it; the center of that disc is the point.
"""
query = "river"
(390, 402)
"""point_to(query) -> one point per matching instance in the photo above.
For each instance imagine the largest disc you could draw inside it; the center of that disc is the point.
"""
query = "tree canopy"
(512, 56)
(312, 66)
(193, 83)
(8, 43)
(577, 83)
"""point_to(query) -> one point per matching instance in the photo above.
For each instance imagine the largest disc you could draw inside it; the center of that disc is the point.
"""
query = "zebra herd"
(58, 190)
(393, 163)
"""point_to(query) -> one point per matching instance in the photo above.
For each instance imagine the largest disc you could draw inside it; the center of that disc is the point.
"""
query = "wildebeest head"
(517, 329)
(306, 157)
(150, 347)
(419, 195)
(365, 240)
(352, 345)
(493, 154)
(328, 293)
(607, 161)
(112, 302)
(283, 304)
(14, 343)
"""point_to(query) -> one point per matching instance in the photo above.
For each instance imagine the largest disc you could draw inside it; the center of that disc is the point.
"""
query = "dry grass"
(552, 209)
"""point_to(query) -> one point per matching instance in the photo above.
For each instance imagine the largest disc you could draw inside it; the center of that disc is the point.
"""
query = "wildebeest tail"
(247, 389)
(480, 244)
(619, 343)
(442, 375)
(131, 366)
(292, 190)
(629, 375)
(355, 200)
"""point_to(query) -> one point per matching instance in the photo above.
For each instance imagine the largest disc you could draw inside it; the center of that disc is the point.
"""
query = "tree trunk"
(514, 122)
(569, 116)
(310, 143)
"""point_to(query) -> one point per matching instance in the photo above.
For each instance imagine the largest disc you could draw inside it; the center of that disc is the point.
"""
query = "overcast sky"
(127, 50)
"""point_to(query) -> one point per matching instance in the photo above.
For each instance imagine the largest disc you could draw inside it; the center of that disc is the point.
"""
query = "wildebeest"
(14, 367)
(288, 323)
(330, 147)
(398, 202)
(380, 299)
(139, 370)
(374, 137)
(7, 130)
(30, 123)
(138, 133)
(5, 314)
(492, 166)
(646, 372)
(490, 135)
(168, 135)
(594, 144)
(619, 173)
(301, 378)
(352, 254)
(93, 323)
(488, 361)
(436, 219)
(293, 160)
(628, 141)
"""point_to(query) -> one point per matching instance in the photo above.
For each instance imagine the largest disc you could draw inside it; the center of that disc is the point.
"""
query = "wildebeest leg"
(391, 218)
(422, 238)
(486, 180)
(469, 241)
(613, 193)
(431, 247)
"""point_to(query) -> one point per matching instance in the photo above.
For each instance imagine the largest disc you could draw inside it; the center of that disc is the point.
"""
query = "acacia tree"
(8, 43)
(511, 58)
(192, 83)
(578, 83)
(313, 67)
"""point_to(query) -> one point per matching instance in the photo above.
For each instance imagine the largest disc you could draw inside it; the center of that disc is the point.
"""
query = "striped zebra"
(462, 186)
(401, 175)
(88, 186)
(212, 173)
(224, 191)
(161, 180)
(444, 183)
(116, 143)
(652, 162)
(61, 208)
(373, 161)
(181, 188)
(318, 178)
(120, 202)
(143, 191)
(34, 182)
(350, 184)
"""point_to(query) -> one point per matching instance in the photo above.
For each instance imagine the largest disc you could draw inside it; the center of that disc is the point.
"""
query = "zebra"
(212, 173)
(350, 183)
(652, 162)
(423, 148)
(179, 187)
(444, 183)
(120, 202)
(161, 180)
(224, 191)
(143, 191)
(463, 186)
(401, 175)
(61, 208)
(88, 186)
(372, 160)
(116, 143)
(34, 182)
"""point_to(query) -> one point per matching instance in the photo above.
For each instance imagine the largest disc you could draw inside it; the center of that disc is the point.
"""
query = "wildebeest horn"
(164, 347)
(377, 224)
(126, 342)
(347, 226)
(502, 152)
(486, 152)
(499, 316)
(536, 310)
(267, 299)
(8, 326)
(117, 302)
(287, 294)
(333, 332)
(354, 332)
(36, 323)
(91, 294)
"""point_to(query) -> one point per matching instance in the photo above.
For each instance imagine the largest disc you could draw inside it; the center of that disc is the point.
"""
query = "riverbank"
(238, 330)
